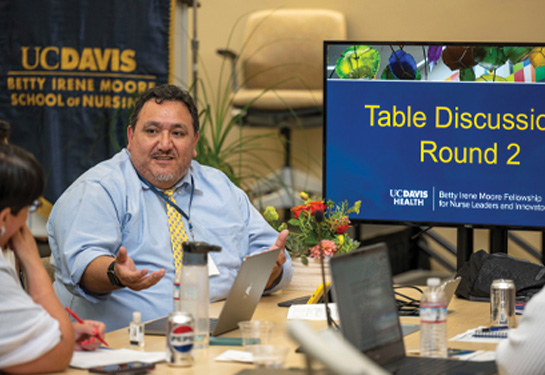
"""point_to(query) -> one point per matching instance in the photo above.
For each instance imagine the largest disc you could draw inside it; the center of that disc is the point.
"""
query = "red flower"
(310, 207)
(339, 226)
(341, 229)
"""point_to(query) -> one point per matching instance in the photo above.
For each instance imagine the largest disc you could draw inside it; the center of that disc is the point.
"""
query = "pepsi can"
(180, 336)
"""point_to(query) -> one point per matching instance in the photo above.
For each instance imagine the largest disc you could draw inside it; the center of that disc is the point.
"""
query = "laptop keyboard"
(440, 366)
(417, 365)
(213, 323)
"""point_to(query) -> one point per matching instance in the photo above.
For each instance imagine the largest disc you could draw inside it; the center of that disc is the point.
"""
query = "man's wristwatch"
(113, 277)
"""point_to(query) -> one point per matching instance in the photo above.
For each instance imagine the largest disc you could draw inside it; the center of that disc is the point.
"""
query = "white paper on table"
(105, 357)
(312, 311)
(235, 356)
(478, 356)
(467, 336)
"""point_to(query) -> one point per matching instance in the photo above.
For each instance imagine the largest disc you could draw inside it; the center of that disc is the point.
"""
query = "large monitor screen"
(440, 134)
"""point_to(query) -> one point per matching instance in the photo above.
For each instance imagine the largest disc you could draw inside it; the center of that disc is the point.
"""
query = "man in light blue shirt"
(109, 232)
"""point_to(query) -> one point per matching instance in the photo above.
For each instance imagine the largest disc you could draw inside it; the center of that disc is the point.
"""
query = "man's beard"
(164, 177)
(173, 178)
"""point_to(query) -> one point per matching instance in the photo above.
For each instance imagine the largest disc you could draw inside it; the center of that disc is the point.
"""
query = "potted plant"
(305, 231)
(223, 143)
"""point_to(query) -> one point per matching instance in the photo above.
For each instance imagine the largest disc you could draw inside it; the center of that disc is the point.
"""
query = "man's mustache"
(162, 154)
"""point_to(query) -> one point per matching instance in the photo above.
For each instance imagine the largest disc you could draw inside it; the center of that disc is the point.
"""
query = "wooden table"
(465, 315)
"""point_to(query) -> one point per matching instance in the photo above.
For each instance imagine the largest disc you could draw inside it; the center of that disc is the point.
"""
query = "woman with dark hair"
(36, 334)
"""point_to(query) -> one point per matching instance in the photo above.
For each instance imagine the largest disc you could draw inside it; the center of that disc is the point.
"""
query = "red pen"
(75, 316)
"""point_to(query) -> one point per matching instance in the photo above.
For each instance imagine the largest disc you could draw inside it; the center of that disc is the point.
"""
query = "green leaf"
(294, 222)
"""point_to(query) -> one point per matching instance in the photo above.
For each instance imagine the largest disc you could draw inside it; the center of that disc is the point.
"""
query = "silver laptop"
(362, 287)
(243, 297)
(449, 287)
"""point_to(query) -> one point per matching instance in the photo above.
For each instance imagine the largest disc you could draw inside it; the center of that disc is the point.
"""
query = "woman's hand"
(86, 334)
(24, 246)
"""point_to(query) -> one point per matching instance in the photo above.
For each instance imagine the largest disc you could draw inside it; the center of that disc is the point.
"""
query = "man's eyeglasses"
(34, 206)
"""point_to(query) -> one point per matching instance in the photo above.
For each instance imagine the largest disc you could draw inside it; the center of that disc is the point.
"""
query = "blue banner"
(70, 72)
(438, 152)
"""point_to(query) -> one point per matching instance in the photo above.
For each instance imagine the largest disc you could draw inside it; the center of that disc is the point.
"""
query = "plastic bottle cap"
(434, 281)
(136, 316)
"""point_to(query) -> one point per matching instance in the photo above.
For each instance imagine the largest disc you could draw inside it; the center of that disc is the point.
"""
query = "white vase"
(308, 277)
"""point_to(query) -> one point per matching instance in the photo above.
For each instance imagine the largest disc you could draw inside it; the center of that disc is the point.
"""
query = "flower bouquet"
(305, 229)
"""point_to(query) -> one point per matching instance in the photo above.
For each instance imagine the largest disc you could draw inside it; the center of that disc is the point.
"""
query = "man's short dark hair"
(5, 131)
(21, 178)
(166, 93)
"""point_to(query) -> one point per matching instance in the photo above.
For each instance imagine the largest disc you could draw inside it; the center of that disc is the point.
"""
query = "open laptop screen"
(362, 284)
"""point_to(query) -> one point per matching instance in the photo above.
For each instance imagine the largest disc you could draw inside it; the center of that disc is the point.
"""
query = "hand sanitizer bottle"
(136, 331)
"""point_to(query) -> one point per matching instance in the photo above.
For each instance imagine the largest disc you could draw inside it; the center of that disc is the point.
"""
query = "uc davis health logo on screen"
(411, 198)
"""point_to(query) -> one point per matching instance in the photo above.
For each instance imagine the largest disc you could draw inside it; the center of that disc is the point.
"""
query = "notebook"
(362, 288)
(242, 299)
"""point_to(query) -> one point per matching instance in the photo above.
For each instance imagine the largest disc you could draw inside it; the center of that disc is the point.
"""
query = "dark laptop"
(242, 299)
(362, 287)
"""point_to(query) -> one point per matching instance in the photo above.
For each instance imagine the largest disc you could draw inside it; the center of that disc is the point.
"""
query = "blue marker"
(494, 329)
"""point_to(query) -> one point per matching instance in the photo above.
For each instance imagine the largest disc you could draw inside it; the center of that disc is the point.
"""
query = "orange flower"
(310, 207)
(328, 247)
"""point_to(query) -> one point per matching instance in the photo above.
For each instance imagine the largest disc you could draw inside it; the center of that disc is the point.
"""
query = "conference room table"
(463, 315)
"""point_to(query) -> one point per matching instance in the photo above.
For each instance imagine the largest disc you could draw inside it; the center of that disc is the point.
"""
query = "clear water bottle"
(194, 299)
(193, 291)
(433, 321)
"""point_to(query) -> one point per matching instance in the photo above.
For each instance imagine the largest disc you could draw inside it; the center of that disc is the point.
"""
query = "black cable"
(401, 286)
(407, 306)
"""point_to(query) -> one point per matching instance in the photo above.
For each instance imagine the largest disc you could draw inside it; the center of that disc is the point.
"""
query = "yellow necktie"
(177, 229)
